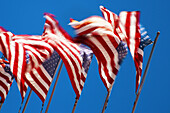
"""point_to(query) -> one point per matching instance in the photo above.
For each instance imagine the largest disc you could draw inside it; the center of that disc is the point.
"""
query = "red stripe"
(35, 90)
(3, 46)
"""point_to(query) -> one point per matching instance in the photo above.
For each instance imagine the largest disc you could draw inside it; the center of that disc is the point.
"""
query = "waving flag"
(6, 79)
(69, 52)
(24, 55)
(129, 24)
(98, 35)
(39, 79)
(113, 19)
(87, 55)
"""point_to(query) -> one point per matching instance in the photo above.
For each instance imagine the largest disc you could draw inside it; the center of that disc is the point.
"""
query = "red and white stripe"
(33, 72)
(15, 53)
(38, 78)
(37, 49)
(113, 19)
(129, 24)
(5, 83)
(98, 35)
(68, 51)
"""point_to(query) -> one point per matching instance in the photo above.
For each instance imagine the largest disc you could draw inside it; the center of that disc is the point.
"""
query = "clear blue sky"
(26, 17)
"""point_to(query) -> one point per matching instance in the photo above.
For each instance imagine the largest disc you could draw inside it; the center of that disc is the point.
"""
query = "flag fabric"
(6, 79)
(24, 55)
(15, 53)
(113, 19)
(98, 34)
(40, 78)
(129, 24)
(69, 52)
(87, 54)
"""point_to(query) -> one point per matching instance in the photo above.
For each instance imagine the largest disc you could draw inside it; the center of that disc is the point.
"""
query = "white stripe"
(105, 54)
(132, 33)
(35, 85)
(34, 60)
(140, 51)
(122, 21)
(12, 62)
(45, 73)
(65, 47)
(104, 32)
(81, 82)
(20, 64)
(72, 68)
(3, 37)
(3, 91)
(5, 73)
(92, 25)
(35, 52)
(5, 82)
(36, 74)
(144, 33)
(104, 77)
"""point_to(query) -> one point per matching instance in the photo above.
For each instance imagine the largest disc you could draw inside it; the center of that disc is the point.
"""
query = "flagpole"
(144, 75)
(27, 101)
(75, 104)
(20, 106)
(107, 99)
(54, 87)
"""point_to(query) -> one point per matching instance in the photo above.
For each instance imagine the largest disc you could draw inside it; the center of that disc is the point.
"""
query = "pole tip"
(158, 32)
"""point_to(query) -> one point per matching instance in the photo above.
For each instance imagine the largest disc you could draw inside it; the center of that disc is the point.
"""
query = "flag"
(69, 52)
(113, 19)
(24, 54)
(86, 54)
(98, 34)
(129, 24)
(6, 79)
(40, 78)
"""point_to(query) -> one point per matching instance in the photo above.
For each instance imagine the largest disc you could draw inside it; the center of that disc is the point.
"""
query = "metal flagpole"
(20, 106)
(54, 87)
(75, 104)
(107, 99)
(27, 101)
(144, 75)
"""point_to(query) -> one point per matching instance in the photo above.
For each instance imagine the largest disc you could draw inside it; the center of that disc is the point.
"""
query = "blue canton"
(51, 64)
(8, 70)
(145, 39)
(122, 51)
(86, 55)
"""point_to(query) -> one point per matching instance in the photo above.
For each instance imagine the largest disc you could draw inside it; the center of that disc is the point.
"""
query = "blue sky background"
(26, 17)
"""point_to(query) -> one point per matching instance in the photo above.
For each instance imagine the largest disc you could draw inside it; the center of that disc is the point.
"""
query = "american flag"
(87, 54)
(6, 79)
(69, 52)
(113, 19)
(16, 48)
(40, 78)
(129, 24)
(98, 34)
